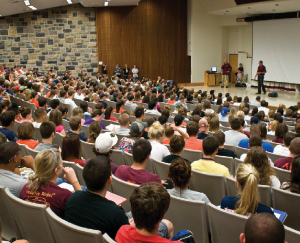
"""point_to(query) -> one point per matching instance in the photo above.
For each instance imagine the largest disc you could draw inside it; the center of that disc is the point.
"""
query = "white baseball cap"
(105, 141)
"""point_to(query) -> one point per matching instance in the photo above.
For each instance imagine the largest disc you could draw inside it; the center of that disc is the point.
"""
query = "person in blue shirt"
(118, 70)
(247, 181)
(7, 119)
(255, 130)
(75, 125)
(8, 90)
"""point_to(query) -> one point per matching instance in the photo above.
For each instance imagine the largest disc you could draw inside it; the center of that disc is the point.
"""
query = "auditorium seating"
(282, 175)
(226, 161)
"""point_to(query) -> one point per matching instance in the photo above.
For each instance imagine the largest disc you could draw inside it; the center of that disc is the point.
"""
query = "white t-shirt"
(135, 72)
(233, 137)
(154, 112)
(159, 151)
(281, 150)
(37, 124)
(71, 103)
(79, 96)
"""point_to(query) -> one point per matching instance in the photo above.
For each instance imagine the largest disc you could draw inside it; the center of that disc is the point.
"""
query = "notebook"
(115, 198)
(280, 215)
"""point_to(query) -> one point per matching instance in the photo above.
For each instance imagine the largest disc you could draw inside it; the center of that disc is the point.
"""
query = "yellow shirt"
(211, 167)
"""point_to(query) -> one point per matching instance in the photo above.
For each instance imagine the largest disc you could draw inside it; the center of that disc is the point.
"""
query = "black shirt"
(169, 158)
(126, 72)
(104, 71)
(226, 152)
(92, 211)
(145, 135)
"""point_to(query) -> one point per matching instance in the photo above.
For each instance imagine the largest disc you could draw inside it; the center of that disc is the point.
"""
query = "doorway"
(234, 63)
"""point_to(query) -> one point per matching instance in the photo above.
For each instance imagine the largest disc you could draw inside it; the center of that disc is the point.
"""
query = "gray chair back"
(68, 164)
(117, 157)
(111, 103)
(31, 152)
(231, 187)
(92, 105)
(116, 115)
(58, 139)
(30, 217)
(288, 202)
(9, 226)
(14, 128)
(282, 175)
(226, 161)
(85, 129)
(213, 186)
(64, 231)
(160, 168)
(236, 164)
(79, 173)
(225, 226)
(37, 135)
(123, 189)
(230, 147)
(224, 124)
(128, 158)
(291, 235)
(270, 136)
(191, 155)
(87, 150)
(239, 151)
(274, 144)
(192, 215)
(107, 239)
(128, 108)
(106, 122)
(66, 124)
(274, 157)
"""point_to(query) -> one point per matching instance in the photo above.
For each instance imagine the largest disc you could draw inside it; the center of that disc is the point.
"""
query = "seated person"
(108, 114)
(192, 142)
(42, 186)
(169, 133)
(172, 100)
(152, 108)
(136, 131)
(297, 130)
(10, 160)
(247, 181)
(47, 130)
(223, 116)
(221, 150)
(75, 127)
(71, 149)
(285, 163)
(180, 174)
(284, 149)
(90, 209)
(25, 134)
(147, 222)
(263, 227)
(203, 125)
(96, 116)
(150, 120)
(178, 122)
(281, 129)
(207, 163)
(56, 118)
(234, 136)
(41, 116)
(180, 103)
(292, 185)
(124, 121)
(94, 130)
(177, 144)
(255, 130)
(7, 119)
(136, 173)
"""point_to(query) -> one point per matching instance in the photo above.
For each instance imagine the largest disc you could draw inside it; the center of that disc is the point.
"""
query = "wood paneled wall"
(152, 35)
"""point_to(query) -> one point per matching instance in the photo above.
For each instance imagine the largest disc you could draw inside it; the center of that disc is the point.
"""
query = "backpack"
(273, 94)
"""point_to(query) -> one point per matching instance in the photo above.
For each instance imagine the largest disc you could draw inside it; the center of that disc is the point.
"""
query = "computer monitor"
(214, 69)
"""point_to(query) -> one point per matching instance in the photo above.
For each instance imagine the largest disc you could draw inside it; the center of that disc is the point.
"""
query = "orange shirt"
(171, 102)
(29, 142)
(121, 110)
(33, 101)
(194, 144)
(166, 141)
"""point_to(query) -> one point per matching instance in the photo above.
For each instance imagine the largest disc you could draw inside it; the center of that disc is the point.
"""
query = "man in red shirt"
(261, 71)
(226, 69)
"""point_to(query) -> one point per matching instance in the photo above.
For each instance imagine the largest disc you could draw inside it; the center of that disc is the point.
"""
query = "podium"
(212, 79)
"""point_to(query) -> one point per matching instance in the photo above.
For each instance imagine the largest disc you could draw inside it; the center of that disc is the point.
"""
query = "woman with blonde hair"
(94, 130)
(233, 112)
(27, 95)
(157, 134)
(240, 114)
(273, 127)
(246, 201)
(53, 94)
(42, 186)
(241, 107)
(78, 112)
(180, 174)
(258, 158)
(94, 98)
(56, 118)
(214, 125)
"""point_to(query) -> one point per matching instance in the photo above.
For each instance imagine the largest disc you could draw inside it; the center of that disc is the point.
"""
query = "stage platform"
(288, 98)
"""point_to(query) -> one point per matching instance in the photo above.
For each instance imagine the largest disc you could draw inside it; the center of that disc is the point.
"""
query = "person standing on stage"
(126, 71)
(104, 69)
(135, 72)
(261, 71)
(226, 69)
(118, 70)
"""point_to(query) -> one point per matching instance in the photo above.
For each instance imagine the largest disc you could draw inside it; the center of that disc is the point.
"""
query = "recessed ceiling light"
(106, 4)
(27, 3)
(69, 1)
(32, 7)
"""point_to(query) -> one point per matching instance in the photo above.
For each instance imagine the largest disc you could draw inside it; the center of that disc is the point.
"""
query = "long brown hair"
(257, 157)
(71, 147)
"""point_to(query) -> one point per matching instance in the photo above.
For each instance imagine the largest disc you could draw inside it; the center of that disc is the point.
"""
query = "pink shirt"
(59, 128)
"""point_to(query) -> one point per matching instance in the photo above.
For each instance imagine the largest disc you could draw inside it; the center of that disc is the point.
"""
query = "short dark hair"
(40, 112)
(42, 101)
(150, 120)
(139, 112)
(177, 144)
(180, 172)
(163, 119)
(54, 103)
(255, 141)
(220, 136)
(140, 150)
(7, 117)
(84, 106)
(8, 150)
(74, 123)
(192, 128)
(25, 131)
(47, 128)
(151, 105)
(149, 203)
(130, 97)
(96, 172)
(287, 138)
(264, 227)
(235, 124)
(210, 145)
(96, 112)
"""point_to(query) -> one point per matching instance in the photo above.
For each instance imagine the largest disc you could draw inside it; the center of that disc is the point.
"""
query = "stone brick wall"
(60, 38)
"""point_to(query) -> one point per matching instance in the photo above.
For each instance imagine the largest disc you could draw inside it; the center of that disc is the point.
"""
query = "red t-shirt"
(128, 234)
(35, 102)
(194, 144)
(30, 143)
(50, 195)
(284, 163)
(261, 69)
(166, 141)
(78, 161)
(225, 67)
(112, 118)
(171, 102)
(126, 173)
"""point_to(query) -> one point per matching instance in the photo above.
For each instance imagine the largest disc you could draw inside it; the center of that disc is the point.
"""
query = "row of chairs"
(37, 223)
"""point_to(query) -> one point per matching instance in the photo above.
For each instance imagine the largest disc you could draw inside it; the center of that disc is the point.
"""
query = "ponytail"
(247, 177)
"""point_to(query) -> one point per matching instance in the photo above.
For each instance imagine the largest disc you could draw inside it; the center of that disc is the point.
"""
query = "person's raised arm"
(183, 134)
(70, 177)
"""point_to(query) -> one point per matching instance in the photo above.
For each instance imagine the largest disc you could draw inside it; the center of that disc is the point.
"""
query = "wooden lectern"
(212, 79)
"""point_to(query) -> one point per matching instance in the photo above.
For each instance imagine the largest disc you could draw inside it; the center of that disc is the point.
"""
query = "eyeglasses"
(15, 155)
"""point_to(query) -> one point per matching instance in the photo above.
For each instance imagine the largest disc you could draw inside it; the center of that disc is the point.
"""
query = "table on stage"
(212, 79)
